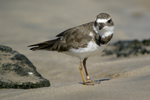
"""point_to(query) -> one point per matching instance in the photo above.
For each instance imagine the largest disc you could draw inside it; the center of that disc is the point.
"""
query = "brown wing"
(76, 37)
(44, 45)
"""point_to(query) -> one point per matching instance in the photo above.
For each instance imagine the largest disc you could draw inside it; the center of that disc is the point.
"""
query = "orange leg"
(87, 81)
(80, 68)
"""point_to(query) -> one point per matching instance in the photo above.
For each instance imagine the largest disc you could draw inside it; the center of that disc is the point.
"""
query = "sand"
(28, 22)
(129, 81)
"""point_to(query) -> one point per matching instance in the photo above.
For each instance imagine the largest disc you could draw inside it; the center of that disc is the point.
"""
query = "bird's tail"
(47, 45)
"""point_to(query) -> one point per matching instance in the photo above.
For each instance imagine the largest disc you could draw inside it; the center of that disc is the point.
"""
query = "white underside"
(92, 49)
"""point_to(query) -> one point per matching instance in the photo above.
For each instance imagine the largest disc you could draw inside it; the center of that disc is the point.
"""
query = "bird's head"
(103, 24)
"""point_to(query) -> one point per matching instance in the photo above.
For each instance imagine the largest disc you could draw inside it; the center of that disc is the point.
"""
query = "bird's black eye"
(109, 21)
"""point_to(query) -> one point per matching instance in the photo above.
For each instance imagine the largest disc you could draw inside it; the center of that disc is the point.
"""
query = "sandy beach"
(28, 22)
(129, 81)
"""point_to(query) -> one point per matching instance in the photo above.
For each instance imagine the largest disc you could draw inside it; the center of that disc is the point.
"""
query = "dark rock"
(16, 71)
(5, 48)
(146, 42)
(127, 48)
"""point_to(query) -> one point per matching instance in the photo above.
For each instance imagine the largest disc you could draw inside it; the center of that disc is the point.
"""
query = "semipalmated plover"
(82, 41)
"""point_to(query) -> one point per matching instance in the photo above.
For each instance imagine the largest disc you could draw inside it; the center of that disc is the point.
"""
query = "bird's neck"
(105, 32)
(104, 35)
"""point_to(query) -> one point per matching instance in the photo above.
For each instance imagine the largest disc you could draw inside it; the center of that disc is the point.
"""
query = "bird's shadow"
(97, 81)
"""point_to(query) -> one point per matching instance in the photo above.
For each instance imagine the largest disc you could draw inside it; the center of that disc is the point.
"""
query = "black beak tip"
(101, 26)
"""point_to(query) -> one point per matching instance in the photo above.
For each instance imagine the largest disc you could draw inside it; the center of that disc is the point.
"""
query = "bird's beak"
(101, 25)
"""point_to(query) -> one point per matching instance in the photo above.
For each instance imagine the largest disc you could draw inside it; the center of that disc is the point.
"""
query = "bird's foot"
(88, 82)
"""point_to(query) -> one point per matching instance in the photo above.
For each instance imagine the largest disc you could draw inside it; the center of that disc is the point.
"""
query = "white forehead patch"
(102, 20)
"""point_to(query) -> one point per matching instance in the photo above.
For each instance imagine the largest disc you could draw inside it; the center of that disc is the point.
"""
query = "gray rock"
(16, 71)
(128, 48)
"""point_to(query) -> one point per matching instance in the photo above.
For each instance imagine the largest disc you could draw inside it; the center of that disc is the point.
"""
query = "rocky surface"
(16, 71)
(128, 48)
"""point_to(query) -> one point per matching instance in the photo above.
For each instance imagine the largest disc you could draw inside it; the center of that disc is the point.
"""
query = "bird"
(82, 41)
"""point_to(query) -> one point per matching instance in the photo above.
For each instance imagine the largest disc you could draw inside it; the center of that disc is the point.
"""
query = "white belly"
(92, 49)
